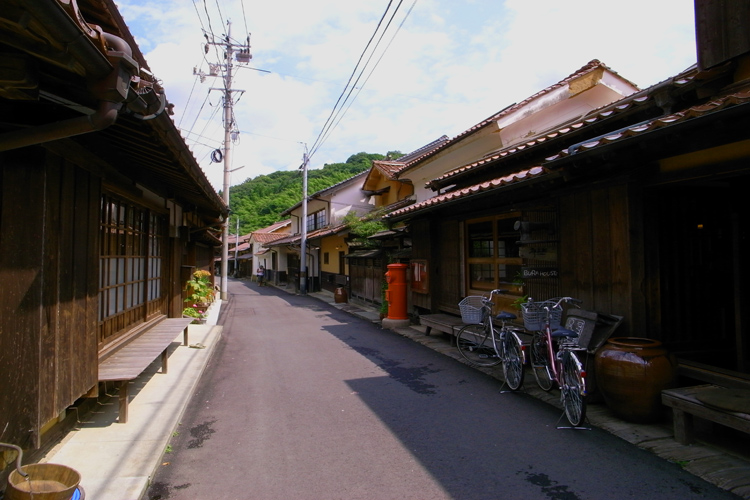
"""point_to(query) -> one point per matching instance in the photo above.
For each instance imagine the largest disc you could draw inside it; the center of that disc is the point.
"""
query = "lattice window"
(492, 252)
(131, 260)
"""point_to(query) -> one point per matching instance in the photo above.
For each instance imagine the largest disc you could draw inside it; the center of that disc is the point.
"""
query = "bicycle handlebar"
(488, 300)
(570, 300)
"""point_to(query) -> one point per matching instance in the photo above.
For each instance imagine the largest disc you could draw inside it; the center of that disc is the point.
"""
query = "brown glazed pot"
(340, 296)
(631, 373)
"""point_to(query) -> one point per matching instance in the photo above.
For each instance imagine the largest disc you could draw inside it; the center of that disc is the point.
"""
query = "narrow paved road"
(303, 401)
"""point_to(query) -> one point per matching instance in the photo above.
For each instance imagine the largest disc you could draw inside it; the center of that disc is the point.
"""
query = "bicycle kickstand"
(509, 390)
(570, 427)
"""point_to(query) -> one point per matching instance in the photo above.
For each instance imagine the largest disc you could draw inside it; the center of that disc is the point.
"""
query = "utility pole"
(243, 56)
(303, 221)
(236, 247)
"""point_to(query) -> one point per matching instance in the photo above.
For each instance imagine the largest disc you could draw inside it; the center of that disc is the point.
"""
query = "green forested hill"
(259, 202)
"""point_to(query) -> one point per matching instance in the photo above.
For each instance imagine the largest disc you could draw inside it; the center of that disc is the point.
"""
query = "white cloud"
(451, 65)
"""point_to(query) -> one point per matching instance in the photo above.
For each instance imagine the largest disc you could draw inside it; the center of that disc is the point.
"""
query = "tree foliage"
(361, 228)
(259, 202)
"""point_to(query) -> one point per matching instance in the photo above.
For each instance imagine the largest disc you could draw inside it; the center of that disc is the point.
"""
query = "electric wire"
(372, 70)
(244, 19)
(354, 71)
(377, 63)
(198, 138)
(211, 30)
(221, 17)
(187, 103)
(208, 18)
(209, 122)
(200, 111)
(336, 114)
(203, 28)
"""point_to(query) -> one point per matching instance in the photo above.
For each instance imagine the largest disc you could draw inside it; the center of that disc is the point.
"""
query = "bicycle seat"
(564, 332)
(505, 316)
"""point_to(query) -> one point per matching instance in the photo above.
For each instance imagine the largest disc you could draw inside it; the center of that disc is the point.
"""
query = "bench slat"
(129, 361)
(445, 323)
(685, 404)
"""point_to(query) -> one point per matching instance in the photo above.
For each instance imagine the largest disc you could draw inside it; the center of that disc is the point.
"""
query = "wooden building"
(104, 212)
(637, 208)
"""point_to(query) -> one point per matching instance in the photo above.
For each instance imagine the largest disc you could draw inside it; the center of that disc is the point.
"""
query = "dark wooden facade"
(647, 222)
(48, 301)
(366, 276)
(100, 225)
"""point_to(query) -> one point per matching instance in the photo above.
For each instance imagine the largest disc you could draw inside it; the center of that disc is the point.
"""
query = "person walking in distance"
(259, 273)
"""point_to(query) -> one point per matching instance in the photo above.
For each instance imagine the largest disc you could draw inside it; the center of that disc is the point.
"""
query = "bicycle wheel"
(512, 355)
(540, 361)
(573, 389)
(475, 345)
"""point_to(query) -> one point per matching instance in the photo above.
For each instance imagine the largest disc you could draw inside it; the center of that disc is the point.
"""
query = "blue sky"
(450, 65)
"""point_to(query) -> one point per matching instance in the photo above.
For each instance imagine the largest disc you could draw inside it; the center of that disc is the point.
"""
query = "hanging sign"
(538, 252)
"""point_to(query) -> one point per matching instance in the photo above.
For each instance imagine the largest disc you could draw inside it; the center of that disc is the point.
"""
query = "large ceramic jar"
(340, 296)
(631, 373)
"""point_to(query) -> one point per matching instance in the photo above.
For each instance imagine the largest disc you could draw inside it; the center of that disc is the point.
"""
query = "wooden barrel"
(44, 482)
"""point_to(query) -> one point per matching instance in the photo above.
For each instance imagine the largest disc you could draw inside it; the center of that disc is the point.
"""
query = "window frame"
(494, 260)
(132, 265)
(316, 220)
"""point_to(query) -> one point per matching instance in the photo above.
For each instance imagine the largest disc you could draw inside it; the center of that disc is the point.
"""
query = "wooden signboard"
(530, 273)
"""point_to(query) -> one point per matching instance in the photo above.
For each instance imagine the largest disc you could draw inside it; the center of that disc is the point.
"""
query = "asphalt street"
(303, 401)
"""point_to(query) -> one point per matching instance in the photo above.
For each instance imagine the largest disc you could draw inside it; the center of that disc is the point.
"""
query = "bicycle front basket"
(534, 315)
(472, 309)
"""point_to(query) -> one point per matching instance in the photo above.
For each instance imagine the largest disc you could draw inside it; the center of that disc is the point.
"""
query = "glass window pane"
(139, 293)
(481, 242)
(112, 272)
(508, 273)
(481, 276)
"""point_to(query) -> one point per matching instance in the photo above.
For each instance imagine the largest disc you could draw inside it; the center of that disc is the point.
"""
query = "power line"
(199, 16)
(335, 106)
(336, 113)
(221, 18)
(377, 63)
(200, 111)
(354, 86)
(187, 103)
(244, 16)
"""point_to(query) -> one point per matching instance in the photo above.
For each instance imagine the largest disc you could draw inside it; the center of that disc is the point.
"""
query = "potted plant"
(383, 300)
(520, 300)
(514, 287)
(195, 312)
(200, 289)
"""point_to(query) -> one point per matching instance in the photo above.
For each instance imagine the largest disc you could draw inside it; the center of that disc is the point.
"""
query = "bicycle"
(552, 355)
(482, 344)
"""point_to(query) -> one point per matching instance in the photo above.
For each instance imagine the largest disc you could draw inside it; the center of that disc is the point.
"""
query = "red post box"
(396, 292)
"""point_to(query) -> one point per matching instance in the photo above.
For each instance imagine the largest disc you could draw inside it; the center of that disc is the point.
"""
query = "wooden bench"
(685, 404)
(131, 359)
(445, 323)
